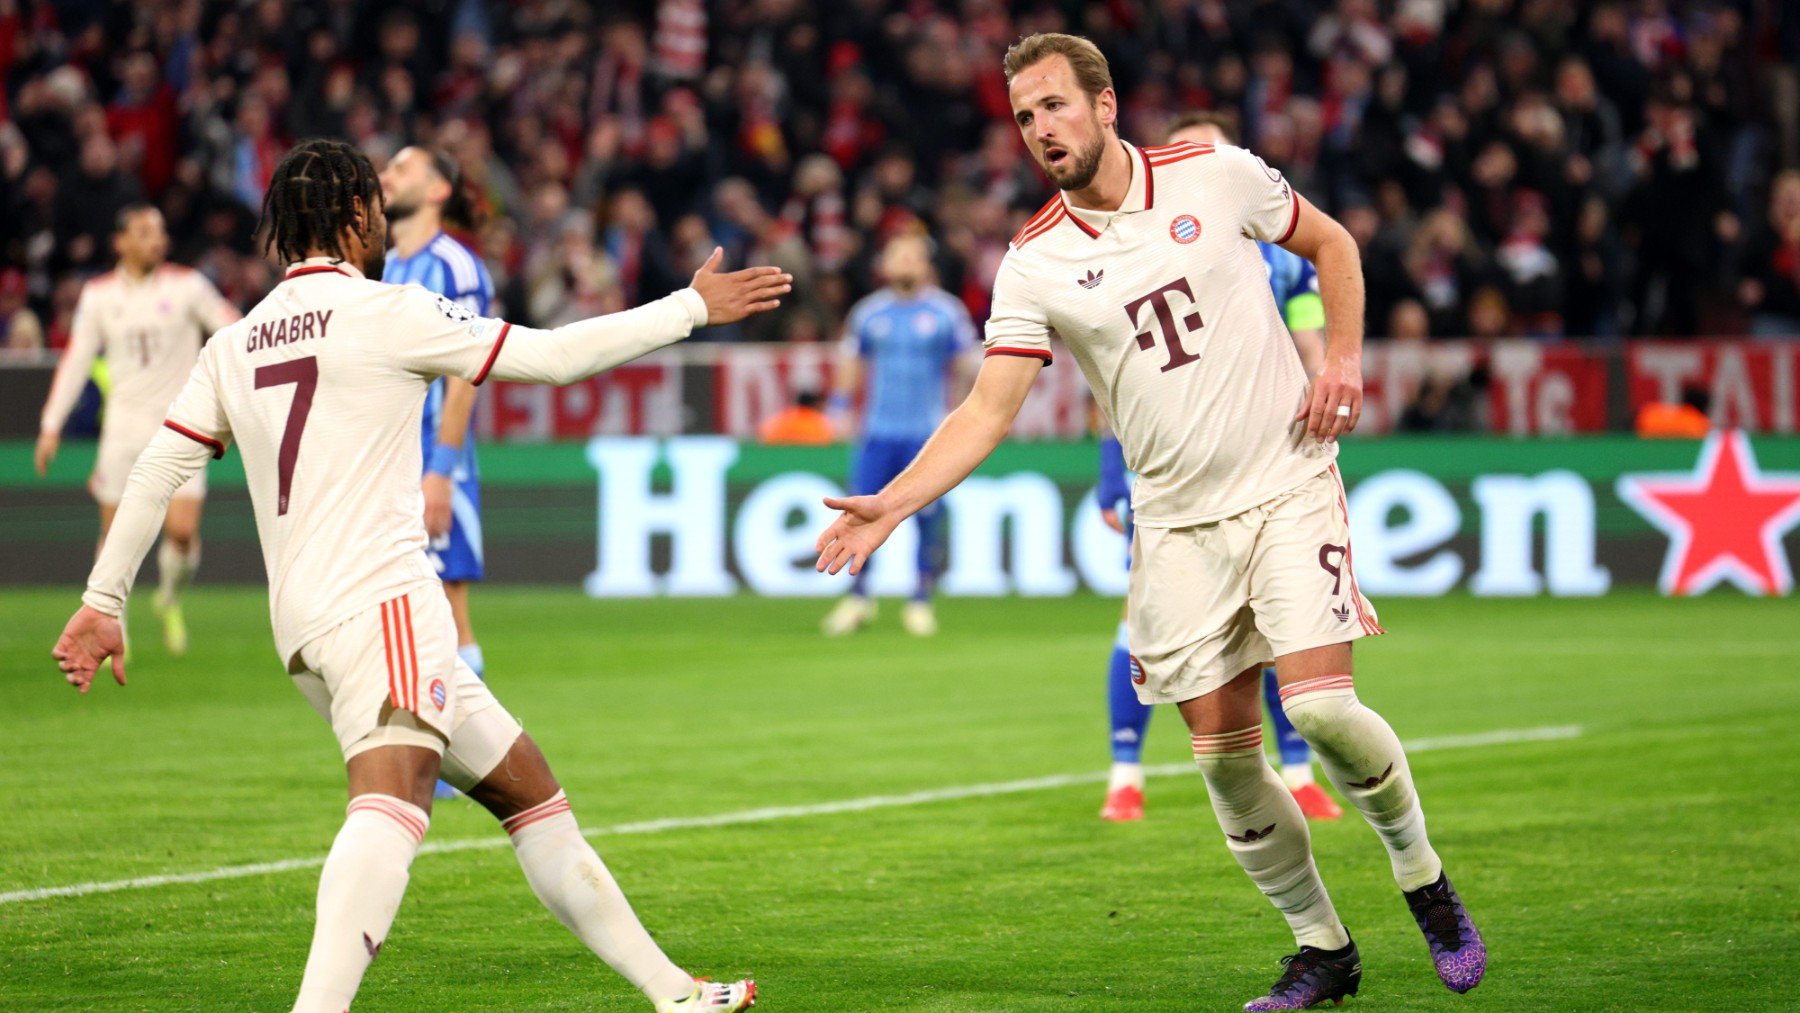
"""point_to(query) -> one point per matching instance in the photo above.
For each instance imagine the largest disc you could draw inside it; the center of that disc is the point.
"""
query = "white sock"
(1363, 757)
(174, 568)
(1296, 775)
(1126, 775)
(1267, 833)
(575, 885)
(359, 890)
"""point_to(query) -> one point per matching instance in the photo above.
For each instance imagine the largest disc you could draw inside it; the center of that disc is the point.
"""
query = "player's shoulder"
(1042, 223)
(1186, 166)
(462, 268)
(871, 304)
(104, 282)
(1160, 155)
(941, 300)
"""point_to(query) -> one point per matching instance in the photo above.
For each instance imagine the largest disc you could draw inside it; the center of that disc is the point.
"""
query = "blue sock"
(1130, 719)
(1292, 745)
(471, 656)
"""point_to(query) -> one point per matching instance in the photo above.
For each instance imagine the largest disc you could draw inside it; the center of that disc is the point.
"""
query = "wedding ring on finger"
(1343, 411)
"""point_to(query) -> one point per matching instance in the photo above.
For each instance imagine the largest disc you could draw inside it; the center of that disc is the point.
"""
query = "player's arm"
(196, 431)
(1113, 488)
(1018, 339)
(446, 450)
(66, 385)
(1320, 239)
(581, 349)
(1305, 318)
(847, 382)
(211, 309)
(964, 439)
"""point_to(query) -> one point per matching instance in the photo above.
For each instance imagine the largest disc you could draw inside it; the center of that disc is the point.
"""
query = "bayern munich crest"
(1137, 670)
(439, 696)
(1184, 229)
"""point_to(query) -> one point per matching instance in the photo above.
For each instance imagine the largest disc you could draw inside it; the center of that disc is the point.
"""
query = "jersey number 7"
(304, 375)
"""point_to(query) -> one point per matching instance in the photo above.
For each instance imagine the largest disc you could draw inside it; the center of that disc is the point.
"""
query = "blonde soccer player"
(1146, 265)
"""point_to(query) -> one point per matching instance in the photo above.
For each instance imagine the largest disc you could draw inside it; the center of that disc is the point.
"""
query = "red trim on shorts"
(1295, 223)
(387, 651)
(1028, 353)
(411, 683)
(495, 354)
(217, 448)
(1370, 626)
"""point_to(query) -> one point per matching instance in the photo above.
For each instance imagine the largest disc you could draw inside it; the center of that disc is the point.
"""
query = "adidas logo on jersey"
(1092, 280)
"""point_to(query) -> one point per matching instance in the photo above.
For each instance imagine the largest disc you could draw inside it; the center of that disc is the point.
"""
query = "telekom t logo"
(1158, 301)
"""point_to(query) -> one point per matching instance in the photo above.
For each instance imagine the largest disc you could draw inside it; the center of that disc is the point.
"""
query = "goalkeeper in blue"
(1296, 290)
(422, 193)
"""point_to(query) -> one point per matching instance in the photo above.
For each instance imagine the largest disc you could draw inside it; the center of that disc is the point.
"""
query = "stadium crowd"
(1510, 167)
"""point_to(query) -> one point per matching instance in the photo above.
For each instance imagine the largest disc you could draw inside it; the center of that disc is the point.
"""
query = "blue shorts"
(457, 555)
(880, 461)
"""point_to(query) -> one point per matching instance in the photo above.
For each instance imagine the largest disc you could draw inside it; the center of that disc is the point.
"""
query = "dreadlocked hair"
(312, 197)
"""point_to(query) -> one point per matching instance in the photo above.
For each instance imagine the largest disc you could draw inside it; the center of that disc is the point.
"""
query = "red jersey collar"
(322, 265)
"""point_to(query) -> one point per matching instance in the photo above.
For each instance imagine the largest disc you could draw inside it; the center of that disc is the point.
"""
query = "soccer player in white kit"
(321, 387)
(148, 318)
(1146, 265)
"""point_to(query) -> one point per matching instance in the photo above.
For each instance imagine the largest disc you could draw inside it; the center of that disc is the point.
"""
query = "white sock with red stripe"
(574, 884)
(1363, 757)
(1267, 833)
(359, 890)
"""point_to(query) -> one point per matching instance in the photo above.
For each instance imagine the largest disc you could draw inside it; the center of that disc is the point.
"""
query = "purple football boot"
(1456, 947)
(1313, 977)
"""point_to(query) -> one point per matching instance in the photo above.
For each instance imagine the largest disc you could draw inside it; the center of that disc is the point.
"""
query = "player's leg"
(1130, 721)
(918, 618)
(460, 562)
(367, 869)
(492, 759)
(380, 680)
(870, 469)
(1308, 604)
(1197, 646)
(1296, 756)
(177, 558)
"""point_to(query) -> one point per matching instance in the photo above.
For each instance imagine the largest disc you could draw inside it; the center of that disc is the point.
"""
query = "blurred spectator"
(1604, 168)
(801, 424)
(20, 333)
(1770, 289)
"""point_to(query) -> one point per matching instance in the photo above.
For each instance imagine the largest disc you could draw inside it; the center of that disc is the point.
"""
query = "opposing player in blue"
(908, 340)
(422, 192)
(1296, 290)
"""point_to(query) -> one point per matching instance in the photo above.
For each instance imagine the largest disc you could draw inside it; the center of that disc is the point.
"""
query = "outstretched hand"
(732, 297)
(1338, 386)
(90, 638)
(857, 533)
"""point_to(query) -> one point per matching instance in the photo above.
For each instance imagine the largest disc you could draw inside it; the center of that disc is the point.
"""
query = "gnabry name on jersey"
(286, 331)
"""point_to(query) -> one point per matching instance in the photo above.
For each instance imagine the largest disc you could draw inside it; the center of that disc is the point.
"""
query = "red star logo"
(1725, 521)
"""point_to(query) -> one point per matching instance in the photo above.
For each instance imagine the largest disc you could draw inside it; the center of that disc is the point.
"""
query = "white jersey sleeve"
(85, 344)
(210, 309)
(198, 412)
(435, 336)
(1271, 207)
(1017, 324)
(196, 430)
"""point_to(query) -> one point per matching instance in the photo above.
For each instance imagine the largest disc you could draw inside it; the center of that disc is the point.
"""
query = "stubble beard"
(1085, 164)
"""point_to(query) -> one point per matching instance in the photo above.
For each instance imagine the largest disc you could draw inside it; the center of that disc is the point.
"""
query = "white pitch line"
(768, 814)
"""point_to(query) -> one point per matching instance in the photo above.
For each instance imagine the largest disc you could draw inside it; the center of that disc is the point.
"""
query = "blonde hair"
(1085, 58)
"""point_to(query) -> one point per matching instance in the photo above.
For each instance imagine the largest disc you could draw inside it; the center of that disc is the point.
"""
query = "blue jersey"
(907, 344)
(450, 269)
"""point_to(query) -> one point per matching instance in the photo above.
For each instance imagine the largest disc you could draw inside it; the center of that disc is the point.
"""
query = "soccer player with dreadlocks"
(321, 387)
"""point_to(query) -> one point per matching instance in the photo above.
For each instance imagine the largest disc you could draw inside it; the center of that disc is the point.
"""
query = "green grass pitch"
(1650, 861)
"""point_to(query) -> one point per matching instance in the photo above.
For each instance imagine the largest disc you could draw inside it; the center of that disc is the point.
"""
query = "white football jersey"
(321, 386)
(1166, 307)
(150, 329)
